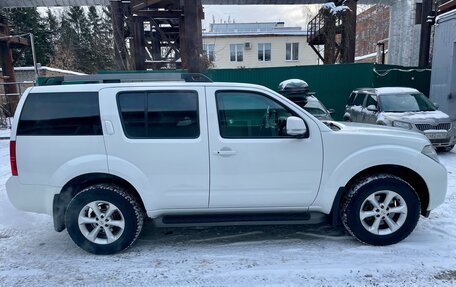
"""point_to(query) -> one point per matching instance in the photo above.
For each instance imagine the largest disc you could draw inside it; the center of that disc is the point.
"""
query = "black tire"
(361, 190)
(128, 210)
(445, 149)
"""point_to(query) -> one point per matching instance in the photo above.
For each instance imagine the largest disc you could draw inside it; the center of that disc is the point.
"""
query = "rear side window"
(60, 114)
(359, 100)
(161, 114)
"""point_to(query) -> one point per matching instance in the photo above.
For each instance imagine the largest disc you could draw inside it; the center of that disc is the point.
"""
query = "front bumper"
(28, 197)
(450, 141)
(436, 177)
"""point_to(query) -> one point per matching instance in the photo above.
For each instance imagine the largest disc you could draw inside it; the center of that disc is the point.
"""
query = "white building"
(256, 45)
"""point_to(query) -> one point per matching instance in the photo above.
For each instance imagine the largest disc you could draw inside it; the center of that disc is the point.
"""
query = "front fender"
(337, 174)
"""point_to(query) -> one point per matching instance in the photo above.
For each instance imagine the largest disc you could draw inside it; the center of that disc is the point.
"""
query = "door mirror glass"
(296, 127)
(372, 108)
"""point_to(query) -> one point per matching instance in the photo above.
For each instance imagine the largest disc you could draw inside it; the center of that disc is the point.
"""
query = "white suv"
(100, 158)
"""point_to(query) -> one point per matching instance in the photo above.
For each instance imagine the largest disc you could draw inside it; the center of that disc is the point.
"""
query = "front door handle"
(226, 152)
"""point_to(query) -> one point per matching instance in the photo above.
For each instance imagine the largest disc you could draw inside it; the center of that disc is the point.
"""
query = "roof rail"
(123, 78)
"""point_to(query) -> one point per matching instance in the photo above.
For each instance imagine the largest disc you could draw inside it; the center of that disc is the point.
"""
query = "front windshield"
(312, 106)
(404, 102)
(315, 108)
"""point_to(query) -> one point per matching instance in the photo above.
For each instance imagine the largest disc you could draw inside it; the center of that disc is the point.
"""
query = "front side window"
(243, 114)
(292, 51)
(264, 52)
(160, 114)
(371, 100)
(236, 52)
(208, 50)
(60, 114)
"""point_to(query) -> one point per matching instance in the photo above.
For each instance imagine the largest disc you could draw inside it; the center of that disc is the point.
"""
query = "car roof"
(154, 84)
(387, 90)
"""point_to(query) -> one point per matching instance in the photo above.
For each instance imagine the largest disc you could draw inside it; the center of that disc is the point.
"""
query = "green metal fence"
(332, 83)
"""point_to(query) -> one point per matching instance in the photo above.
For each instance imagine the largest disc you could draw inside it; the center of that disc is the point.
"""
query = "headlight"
(403, 125)
(430, 152)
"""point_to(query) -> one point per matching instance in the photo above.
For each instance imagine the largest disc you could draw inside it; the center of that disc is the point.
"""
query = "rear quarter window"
(351, 99)
(62, 114)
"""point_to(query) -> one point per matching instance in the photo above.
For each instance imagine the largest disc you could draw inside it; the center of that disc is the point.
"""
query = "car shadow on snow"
(240, 235)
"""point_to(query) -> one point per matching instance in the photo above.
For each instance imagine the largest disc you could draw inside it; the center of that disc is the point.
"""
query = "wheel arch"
(407, 174)
(78, 183)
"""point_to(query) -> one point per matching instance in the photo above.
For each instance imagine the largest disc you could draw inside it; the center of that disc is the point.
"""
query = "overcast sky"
(292, 15)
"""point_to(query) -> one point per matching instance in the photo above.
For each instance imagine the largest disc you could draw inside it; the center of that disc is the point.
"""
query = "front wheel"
(104, 219)
(381, 210)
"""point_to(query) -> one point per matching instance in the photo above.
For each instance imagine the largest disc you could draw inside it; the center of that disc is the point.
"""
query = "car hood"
(323, 117)
(412, 117)
(383, 134)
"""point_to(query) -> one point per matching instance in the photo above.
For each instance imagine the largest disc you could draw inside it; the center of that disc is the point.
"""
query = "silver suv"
(404, 108)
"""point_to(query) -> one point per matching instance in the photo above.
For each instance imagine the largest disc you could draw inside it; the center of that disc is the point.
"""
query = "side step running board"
(240, 219)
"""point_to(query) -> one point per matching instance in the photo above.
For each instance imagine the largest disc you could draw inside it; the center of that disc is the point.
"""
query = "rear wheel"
(381, 210)
(104, 219)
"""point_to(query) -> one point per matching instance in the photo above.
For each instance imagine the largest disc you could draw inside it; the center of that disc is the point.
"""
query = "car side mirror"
(436, 106)
(372, 108)
(332, 111)
(296, 127)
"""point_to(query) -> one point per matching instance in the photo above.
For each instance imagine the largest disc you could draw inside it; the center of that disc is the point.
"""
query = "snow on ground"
(4, 133)
(33, 254)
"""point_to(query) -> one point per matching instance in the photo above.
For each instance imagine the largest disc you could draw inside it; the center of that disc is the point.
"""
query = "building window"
(264, 52)
(292, 52)
(236, 52)
(208, 50)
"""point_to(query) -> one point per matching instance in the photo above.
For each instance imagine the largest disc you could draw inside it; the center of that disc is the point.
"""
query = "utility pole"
(425, 39)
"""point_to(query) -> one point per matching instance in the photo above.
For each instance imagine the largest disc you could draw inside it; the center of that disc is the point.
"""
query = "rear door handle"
(226, 152)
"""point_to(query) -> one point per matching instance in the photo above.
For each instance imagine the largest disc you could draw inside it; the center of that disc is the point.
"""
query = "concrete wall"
(404, 34)
(222, 51)
(443, 79)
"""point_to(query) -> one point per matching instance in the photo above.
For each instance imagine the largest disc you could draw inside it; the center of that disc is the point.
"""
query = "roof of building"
(253, 29)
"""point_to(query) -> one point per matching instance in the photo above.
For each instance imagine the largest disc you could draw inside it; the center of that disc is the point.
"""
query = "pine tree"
(52, 26)
(81, 35)
(29, 20)
(64, 57)
(100, 41)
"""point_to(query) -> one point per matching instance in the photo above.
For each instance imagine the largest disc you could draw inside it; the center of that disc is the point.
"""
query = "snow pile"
(292, 83)
(333, 9)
